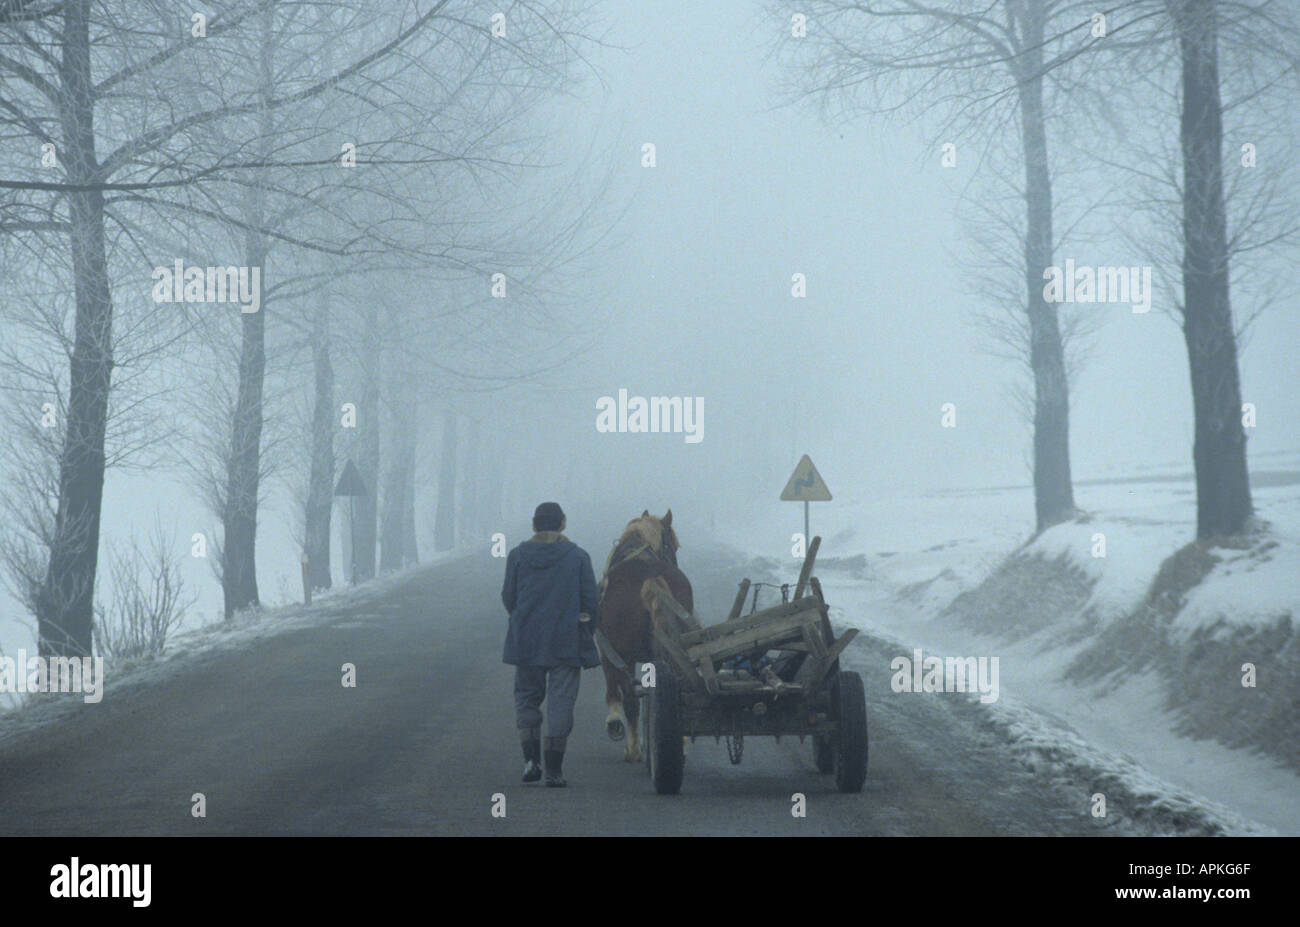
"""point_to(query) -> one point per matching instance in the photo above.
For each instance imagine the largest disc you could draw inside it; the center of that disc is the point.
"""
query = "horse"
(647, 549)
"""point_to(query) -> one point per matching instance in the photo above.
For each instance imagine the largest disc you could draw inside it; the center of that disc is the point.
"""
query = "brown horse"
(647, 549)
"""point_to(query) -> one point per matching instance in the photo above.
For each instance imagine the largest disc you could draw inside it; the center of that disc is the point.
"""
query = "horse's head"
(657, 534)
(646, 535)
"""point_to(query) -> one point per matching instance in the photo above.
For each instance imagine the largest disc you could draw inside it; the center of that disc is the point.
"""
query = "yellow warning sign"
(806, 484)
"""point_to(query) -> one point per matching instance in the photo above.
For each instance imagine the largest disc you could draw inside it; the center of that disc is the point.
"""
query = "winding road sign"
(806, 484)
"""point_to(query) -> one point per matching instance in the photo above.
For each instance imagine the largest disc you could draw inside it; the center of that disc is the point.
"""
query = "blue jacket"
(549, 580)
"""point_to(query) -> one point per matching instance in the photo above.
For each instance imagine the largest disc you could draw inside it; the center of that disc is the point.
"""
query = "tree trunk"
(471, 473)
(490, 486)
(1223, 503)
(1053, 489)
(444, 537)
(320, 488)
(64, 602)
(397, 490)
(410, 546)
(390, 525)
(243, 467)
(367, 458)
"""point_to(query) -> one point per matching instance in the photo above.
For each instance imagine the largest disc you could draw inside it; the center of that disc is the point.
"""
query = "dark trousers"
(558, 687)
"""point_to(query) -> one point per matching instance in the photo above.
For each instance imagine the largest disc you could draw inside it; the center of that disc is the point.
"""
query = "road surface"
(277, 746)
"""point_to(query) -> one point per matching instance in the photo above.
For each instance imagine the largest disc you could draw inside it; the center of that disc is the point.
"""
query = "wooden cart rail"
(802, 626)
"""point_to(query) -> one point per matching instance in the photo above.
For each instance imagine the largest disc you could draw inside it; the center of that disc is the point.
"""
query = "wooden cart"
(696, 690)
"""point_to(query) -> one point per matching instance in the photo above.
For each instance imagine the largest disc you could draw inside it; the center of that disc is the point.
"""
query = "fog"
(305, 307)
(685, 290)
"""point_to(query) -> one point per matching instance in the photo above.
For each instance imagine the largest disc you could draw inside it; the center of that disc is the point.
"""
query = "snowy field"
(922, 551)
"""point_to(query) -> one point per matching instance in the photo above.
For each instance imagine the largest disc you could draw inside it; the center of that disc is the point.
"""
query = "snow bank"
(1246, 588)
(1137, 654)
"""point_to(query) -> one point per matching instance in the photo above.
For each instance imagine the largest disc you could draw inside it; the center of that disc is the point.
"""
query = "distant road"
(279, 747)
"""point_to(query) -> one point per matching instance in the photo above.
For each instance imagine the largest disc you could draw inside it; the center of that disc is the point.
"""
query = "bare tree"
(982, 64)
(473, 129)
(993, 218)
(319, 501)
(148, 599)
(64, 79)
(1222, 484)
(1211, 63)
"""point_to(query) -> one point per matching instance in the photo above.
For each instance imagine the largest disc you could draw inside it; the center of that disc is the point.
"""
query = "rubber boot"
(532, 745)
(554, 760)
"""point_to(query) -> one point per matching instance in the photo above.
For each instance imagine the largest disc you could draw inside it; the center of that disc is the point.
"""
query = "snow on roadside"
(183, 650)
(1131, 551)
(1052, 747)
(922, 551)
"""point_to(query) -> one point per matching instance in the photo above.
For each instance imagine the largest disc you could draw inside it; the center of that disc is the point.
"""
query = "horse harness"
(606, 647)
(635, 552)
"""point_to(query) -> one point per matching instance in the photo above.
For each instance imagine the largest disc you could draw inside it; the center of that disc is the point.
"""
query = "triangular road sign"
(806, 484)
(350, 483)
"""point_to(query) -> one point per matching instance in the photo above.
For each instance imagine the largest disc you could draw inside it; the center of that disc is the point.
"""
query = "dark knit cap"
(548, 517)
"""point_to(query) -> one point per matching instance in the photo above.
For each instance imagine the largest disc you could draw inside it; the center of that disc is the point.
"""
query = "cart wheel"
(664, 745)
(851, 744)
(823, 754)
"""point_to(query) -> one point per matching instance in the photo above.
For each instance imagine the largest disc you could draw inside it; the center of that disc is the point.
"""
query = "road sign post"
(805, 485)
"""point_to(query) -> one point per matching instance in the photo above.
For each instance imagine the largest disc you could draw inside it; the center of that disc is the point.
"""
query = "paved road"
(279, 747)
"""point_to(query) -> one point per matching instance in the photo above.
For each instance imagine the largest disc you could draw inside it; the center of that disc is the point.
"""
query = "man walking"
(550, 593)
